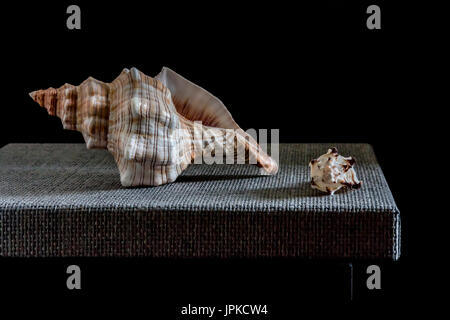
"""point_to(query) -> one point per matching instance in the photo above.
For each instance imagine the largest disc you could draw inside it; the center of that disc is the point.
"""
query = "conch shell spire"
(154, 127)
(83, 108)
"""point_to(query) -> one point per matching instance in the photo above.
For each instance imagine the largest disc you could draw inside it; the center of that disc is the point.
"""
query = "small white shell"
(331, 171)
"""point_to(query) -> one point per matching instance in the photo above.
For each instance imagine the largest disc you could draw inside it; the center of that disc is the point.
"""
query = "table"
(62, 200)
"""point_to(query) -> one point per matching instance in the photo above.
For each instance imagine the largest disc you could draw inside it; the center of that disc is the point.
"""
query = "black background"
(314, 71)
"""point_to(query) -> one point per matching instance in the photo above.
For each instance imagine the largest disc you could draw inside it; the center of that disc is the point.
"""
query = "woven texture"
(64, 200)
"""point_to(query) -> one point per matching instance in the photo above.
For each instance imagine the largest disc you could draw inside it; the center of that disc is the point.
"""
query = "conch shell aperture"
(154, 127)
(331, 171)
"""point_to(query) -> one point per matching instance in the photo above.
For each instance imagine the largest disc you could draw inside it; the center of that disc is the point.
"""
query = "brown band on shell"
(351, 161)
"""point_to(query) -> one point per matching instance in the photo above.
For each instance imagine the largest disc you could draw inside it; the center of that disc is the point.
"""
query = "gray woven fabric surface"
(65, 178)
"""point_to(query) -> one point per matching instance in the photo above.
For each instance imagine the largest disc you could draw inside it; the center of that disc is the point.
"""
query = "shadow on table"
(301, 190)
(204, 177)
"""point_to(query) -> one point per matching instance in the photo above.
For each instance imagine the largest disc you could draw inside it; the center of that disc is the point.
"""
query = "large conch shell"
(154, 127)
